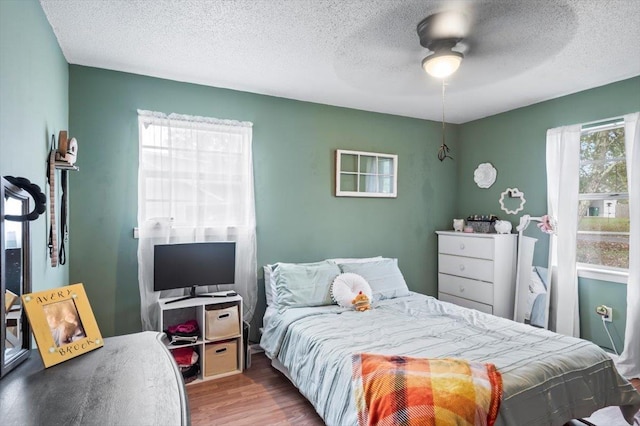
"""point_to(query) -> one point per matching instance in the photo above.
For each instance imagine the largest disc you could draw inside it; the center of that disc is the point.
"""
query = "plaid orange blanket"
(397, 390)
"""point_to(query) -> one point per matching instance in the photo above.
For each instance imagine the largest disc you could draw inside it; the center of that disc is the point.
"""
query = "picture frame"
(62, 323)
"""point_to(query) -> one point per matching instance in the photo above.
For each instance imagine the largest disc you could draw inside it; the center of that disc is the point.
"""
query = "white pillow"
(383, 275)
(347, 286)
(270, 278)
(305, 284)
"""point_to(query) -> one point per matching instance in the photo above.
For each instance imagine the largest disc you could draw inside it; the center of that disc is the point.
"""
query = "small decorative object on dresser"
(458, 225)
(482, 223)
(503, 226)
(478, 271)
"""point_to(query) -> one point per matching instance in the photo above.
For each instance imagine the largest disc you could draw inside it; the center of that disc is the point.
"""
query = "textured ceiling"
(362, 54)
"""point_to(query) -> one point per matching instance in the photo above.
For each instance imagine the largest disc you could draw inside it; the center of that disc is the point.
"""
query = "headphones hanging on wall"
(38, 197)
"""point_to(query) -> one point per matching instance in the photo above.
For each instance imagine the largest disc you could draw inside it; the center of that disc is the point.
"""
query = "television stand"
(220, 339)
(193, 295)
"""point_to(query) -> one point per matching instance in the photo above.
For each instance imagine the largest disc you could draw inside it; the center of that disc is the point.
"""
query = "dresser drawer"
(481, 248)
(479, 291)
(477, 269)
(487, 309)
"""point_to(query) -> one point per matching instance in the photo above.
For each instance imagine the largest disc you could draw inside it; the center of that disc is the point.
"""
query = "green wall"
(515, 143)
(593, 293)
(34, 102)
(298, 218)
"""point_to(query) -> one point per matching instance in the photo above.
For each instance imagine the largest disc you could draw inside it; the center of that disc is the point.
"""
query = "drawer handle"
(461, 267)
(221, 350)
(461, 246)
(461, 289)
(223, 316)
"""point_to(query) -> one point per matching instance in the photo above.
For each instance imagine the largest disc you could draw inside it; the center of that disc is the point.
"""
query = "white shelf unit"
(185, 310)
(478, 271)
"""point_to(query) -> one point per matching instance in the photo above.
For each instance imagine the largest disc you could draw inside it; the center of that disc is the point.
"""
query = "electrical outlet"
(606, 312)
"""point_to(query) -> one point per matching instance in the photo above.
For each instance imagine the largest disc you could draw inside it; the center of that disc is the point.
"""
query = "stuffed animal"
(361, 302)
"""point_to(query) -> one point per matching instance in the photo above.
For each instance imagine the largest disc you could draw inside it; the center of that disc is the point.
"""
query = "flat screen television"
(190, 265)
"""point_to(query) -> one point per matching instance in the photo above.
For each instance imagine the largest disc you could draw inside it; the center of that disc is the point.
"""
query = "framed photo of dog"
(62, 323)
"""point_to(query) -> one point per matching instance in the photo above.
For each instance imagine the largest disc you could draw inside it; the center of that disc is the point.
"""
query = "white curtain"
(195, 184)
(629, 361)
(563, 163)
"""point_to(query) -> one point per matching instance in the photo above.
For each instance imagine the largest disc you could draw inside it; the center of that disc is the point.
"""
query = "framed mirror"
(15, 277)
(534, 274)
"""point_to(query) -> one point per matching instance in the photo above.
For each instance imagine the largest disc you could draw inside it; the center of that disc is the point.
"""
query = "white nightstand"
(478, 271)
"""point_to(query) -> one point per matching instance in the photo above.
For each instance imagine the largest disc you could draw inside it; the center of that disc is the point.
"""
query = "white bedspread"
(547, 378)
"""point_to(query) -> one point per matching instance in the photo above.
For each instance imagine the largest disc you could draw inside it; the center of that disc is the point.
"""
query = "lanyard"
(53, 232)
(64, 231)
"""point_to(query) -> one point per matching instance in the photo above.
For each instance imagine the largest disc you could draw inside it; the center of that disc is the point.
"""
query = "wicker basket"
(482, 226)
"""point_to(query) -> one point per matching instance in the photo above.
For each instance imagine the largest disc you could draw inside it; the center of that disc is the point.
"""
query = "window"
(198, 172)
(603, 209)
(195, 184)
(366, 174)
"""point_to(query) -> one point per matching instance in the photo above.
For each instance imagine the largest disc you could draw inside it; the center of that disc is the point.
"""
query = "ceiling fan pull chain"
(443, 152)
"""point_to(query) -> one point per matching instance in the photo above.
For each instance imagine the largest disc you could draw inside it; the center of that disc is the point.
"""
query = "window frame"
(592, 270)
(358, 174)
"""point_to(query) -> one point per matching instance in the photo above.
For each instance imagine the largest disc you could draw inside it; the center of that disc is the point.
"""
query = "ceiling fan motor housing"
(436, 35)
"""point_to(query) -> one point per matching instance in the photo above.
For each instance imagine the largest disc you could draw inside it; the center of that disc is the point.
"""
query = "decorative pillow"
(383, 276)
(305, 284)
(347, 286)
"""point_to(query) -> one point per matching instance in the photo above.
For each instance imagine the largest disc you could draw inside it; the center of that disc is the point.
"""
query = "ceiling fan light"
(442, 64)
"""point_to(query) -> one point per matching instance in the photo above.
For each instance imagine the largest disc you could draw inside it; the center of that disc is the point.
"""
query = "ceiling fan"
(441, 33)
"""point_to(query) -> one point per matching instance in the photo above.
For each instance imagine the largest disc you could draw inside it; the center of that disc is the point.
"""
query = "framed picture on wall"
(62, 323)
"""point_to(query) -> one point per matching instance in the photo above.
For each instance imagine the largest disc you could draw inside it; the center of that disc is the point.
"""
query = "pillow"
(355, 259)
(543, 273)
(305, 284)
(270, 274)
(383, 276)
(347, 286)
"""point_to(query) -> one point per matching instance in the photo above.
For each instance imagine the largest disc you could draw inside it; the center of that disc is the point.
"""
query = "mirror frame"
(9, 190)
(523, 277)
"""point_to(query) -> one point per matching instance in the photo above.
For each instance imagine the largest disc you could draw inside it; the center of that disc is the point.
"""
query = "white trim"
(603, 124)
(190, 119)
(601, 274)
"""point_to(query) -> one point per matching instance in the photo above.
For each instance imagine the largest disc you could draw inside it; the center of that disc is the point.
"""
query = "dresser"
(478, 271)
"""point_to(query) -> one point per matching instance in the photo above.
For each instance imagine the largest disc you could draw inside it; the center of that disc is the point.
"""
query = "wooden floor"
(263, 396)
(259, 396)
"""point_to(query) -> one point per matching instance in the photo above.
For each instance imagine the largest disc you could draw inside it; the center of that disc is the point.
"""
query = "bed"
(547, 378)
